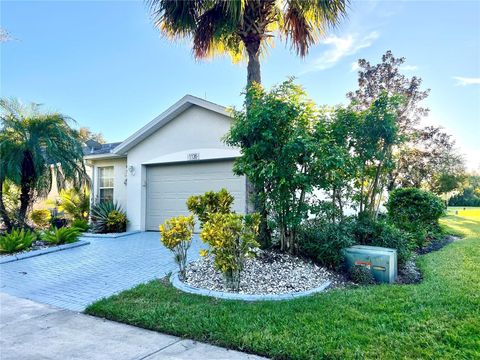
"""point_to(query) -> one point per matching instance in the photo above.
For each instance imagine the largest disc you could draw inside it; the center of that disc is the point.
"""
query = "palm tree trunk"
(253, 67)
(253, 76)
(26, 187)
(3, 210)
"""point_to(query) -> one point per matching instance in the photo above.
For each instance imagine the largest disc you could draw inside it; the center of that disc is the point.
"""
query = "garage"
(169, 186)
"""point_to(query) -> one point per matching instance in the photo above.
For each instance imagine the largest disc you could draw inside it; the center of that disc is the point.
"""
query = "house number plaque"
(193, 156)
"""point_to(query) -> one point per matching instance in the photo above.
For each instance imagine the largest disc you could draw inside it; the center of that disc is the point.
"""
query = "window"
(105, 184)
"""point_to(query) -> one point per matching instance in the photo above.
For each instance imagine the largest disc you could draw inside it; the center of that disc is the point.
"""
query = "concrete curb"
(177, 283)
(110, 235)
(33, 253)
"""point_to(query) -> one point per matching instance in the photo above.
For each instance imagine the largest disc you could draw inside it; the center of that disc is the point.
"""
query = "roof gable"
(164, 118)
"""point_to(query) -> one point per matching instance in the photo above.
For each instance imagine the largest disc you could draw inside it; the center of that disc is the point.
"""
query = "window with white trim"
(105, 184)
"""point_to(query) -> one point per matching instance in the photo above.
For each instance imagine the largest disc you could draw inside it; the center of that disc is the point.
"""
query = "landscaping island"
(437, 318)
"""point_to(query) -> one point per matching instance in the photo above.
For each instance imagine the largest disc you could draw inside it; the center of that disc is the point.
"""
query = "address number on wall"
(193, 156)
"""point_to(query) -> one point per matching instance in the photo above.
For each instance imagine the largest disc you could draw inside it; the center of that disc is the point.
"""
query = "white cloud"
(354, 66)
(464, 81)
(341, 47)
(409, 67)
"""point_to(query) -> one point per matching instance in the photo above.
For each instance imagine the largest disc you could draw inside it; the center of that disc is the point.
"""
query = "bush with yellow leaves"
(232, 239)
(209, 203)
(176, 235)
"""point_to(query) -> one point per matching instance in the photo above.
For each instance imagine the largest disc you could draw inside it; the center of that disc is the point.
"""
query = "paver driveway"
(74, 278)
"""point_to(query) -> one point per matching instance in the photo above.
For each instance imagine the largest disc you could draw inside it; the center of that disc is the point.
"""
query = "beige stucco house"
(177, 154)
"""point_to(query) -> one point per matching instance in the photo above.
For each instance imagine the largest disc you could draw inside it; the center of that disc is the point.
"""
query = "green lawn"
(437, 319)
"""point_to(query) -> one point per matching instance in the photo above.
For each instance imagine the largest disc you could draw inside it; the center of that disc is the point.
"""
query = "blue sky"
(104, 64)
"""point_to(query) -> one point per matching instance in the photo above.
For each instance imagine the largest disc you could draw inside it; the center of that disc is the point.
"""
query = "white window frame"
(99, 182)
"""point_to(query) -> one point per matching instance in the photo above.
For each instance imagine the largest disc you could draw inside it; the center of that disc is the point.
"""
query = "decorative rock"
(269, 273)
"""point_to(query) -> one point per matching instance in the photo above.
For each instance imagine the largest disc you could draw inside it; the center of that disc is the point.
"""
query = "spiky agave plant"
(108, 217)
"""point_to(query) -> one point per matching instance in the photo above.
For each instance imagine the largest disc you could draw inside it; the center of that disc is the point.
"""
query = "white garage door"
(169, 186)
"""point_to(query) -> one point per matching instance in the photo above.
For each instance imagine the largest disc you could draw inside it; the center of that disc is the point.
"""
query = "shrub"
(41, 218)
(80, 224)
(361, 275)
(176, 235)
(209, 203)
(323, 241)
(381, 233)
(108, 217)
(61, 236)
(232, 239)
(415, 211)
(16, 240)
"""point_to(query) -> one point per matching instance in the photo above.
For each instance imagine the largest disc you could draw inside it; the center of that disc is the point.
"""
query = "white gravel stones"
(269, 273)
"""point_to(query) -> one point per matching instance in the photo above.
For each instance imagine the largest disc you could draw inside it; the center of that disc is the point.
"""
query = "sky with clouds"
(103, 63)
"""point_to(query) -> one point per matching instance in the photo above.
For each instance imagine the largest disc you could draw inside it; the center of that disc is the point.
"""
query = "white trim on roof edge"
(164, 118)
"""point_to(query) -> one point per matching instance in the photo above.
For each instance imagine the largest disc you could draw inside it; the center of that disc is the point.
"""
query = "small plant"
(16, 240)
(176, 235)
(209, 203)
(232, 239)
(41, 218)
(74, 202)
(61, 236)
(361, 275)
(108, 217)
(80, 224)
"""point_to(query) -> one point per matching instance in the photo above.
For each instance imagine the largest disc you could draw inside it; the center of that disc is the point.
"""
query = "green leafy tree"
(288, 151)
(428, 160)
(86, 134)
(374, 136)
(34, 148)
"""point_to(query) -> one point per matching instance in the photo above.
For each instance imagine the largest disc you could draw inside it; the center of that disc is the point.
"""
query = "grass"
(438, 318)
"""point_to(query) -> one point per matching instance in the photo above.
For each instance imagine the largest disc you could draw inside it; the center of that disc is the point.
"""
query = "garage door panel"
(169, 186)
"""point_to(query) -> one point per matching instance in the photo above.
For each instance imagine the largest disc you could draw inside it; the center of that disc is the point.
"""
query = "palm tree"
(242, 28)
(35, 147)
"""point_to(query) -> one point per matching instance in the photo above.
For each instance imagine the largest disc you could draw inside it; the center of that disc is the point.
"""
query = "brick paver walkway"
(73, 278)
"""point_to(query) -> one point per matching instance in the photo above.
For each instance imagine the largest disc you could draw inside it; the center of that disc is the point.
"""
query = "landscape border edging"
(175, 281)
(33, 253)
(110, 235)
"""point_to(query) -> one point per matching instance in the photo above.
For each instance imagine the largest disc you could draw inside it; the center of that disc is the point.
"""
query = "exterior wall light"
(131, 170)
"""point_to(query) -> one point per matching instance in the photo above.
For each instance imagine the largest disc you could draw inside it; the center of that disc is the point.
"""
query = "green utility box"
(382, 262)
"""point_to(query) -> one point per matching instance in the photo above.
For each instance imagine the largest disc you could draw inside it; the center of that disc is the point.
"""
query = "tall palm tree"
(242, 28)
(35, 147)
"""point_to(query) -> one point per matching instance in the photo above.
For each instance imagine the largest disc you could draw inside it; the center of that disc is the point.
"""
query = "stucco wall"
(195, 128)
(119, 182)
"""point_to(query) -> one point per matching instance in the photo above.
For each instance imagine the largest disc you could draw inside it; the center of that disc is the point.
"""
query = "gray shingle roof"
(101, 149)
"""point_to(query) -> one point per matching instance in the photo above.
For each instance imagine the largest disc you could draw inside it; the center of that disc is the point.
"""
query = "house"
(179, 153)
